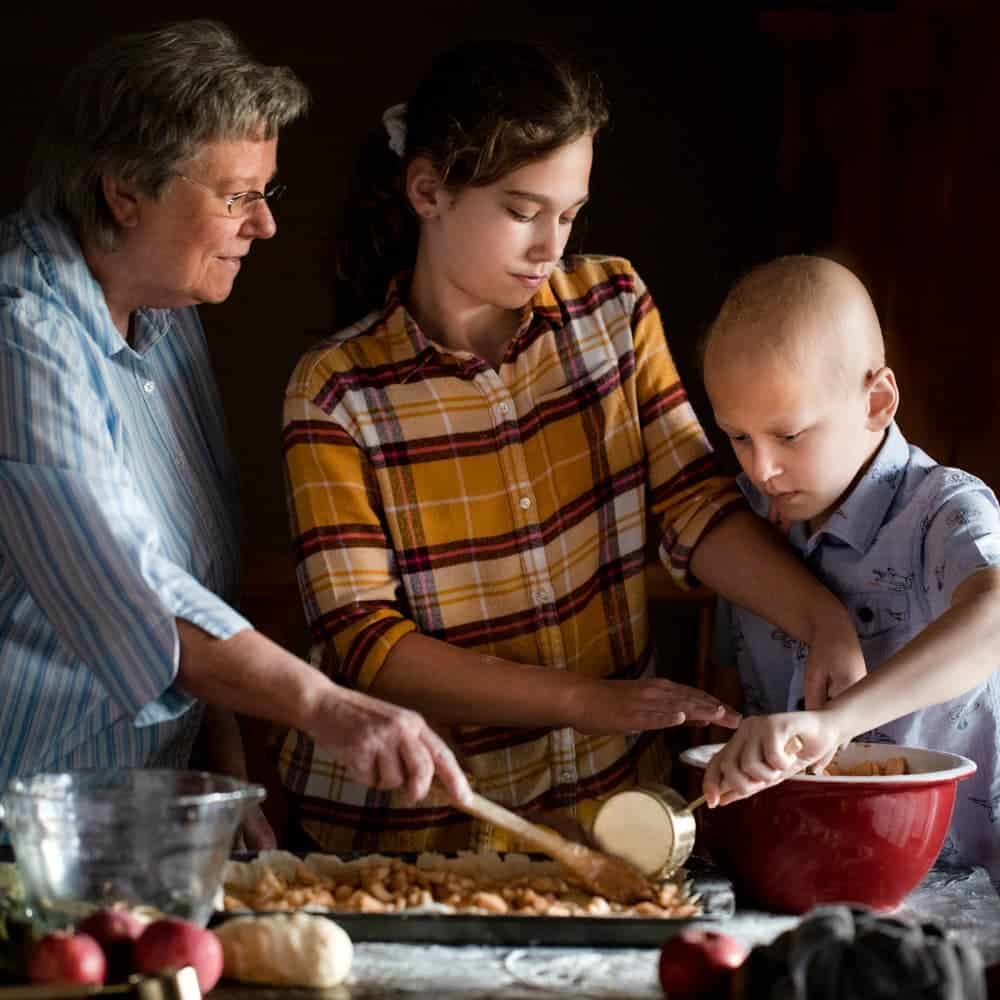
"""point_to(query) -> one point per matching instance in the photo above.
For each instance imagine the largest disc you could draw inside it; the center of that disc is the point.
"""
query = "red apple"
(111, 924)
(695, 960)
(62, 957)
(114, 929)
(169, 944)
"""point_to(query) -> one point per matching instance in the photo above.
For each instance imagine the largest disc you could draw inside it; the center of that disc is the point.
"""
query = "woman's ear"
(883, 398)
(424, 188)
(122, 200)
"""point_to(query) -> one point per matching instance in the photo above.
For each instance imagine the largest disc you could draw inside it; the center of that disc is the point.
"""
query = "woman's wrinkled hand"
(385, 746)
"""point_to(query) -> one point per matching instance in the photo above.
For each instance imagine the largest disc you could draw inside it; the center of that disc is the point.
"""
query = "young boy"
(795, 371)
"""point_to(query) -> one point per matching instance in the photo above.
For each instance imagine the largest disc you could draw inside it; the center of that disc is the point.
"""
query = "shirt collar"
(69, 279)
(409, 345)
(857, 520)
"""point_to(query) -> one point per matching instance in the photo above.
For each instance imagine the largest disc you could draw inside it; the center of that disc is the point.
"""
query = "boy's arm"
(746, 561)
(952, 655)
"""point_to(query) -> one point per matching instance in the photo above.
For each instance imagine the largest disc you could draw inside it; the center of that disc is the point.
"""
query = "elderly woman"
(118, 549)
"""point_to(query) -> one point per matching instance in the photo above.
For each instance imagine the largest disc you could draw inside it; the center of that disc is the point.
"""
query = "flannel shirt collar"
(409, 345)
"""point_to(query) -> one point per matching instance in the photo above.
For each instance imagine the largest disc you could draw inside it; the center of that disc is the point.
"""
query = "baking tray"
(715, 890)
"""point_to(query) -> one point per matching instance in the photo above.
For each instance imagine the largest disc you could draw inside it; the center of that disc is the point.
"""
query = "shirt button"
(525, 502)
(542, 595)
(566, 776)
(504, 408)
(148, 387)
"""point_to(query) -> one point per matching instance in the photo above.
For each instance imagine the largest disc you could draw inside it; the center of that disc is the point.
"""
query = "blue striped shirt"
(117, 514)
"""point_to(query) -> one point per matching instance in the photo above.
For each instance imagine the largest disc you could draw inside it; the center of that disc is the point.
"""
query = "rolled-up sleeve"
(962, 538)
(346, 562)
(76, 530)
(687, 493)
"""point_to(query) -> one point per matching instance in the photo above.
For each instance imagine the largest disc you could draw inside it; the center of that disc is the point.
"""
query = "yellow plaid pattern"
(504, 510)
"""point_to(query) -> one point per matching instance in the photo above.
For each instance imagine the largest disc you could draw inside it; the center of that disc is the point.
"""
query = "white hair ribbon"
(394, 120)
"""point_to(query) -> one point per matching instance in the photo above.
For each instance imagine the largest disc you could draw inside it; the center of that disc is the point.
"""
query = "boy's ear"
(424, 188)
(122, 200)
(883, 398)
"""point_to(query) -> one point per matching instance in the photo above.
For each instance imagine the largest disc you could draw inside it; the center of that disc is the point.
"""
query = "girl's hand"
(655, 703)
(256, 833)
(835, 662)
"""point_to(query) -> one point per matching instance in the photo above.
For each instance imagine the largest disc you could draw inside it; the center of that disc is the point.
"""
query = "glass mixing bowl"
(93, 838)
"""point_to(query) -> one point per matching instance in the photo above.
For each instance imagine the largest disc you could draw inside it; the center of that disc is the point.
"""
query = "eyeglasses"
(242, 203)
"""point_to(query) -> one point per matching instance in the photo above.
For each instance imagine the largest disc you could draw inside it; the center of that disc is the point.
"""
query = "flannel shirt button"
(542, 595)
(148, 387)
(525, 502)
(504, 408)
(566, 776)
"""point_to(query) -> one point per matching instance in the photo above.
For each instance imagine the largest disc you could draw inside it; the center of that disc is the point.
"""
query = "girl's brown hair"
(483, 110)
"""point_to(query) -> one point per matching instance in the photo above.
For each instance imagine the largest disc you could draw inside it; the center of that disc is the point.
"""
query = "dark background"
(740, 132)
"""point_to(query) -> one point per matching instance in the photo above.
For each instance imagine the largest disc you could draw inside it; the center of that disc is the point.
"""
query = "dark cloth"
(851, 953)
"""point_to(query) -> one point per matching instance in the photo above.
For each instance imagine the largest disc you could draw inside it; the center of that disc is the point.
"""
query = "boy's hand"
(760, 753)
(835, 663)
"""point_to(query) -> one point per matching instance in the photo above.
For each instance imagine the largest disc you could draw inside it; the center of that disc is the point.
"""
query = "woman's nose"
(259, 222)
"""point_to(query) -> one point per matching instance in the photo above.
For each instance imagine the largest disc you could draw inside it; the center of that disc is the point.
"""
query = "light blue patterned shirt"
(117, 514)
(907, 535)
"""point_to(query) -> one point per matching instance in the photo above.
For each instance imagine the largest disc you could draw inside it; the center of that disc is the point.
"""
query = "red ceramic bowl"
(816, 839)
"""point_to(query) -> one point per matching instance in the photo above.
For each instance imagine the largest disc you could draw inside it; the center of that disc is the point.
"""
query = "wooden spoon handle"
(492, 812)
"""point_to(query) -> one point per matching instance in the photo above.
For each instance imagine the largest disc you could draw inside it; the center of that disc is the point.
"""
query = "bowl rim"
(242, 789)
(959, 766)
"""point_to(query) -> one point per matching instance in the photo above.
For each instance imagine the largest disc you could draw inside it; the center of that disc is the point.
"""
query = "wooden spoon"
(612, 878)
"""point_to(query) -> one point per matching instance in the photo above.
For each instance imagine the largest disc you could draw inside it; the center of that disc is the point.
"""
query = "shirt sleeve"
(75, 529)
(346, 561)
(687, 493)
(962, 538)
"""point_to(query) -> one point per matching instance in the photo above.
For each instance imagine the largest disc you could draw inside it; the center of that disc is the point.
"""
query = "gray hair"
(141, 104)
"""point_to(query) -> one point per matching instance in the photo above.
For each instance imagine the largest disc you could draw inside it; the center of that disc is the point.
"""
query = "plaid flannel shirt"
(505, 510)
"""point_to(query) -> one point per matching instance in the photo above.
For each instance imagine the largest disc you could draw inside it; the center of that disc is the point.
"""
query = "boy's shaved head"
(799, 311)
(795, 372)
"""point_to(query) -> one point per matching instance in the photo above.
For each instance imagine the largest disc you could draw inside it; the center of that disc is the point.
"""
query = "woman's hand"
(385, 746)
(603, 706)
(766, 749)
